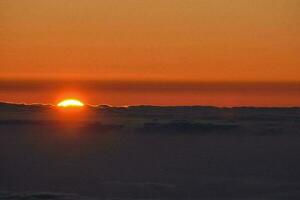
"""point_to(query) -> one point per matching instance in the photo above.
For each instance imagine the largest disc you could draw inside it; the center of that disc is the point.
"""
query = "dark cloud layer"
(149, 152)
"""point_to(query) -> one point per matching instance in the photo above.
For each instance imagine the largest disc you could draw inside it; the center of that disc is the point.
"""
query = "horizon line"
(149, 105)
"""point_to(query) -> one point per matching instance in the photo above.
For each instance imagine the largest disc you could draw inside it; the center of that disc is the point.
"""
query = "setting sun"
(70, 103)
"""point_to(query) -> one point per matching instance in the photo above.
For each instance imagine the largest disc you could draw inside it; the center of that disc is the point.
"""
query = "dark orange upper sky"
(202, 40)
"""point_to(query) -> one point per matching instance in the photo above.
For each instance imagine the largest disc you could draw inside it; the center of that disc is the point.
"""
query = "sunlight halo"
(70, 103)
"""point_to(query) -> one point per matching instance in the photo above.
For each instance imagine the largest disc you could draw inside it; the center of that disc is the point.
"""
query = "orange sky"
(200, 40)
(119, 93)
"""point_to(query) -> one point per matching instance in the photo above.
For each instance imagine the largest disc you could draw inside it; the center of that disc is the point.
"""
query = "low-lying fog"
(147, 152)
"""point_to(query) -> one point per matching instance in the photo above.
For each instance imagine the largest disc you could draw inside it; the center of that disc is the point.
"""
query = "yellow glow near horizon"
(70, 103)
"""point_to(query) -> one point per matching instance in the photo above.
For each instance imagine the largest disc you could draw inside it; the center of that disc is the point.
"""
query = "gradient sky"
(202, 40)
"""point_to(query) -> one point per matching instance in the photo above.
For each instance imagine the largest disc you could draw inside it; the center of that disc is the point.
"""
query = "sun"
(70, 103)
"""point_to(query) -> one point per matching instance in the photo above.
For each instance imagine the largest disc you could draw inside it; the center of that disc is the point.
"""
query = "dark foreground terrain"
(147, 152)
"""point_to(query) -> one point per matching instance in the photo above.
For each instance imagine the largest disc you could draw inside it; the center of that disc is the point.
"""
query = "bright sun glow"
(70, 103)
